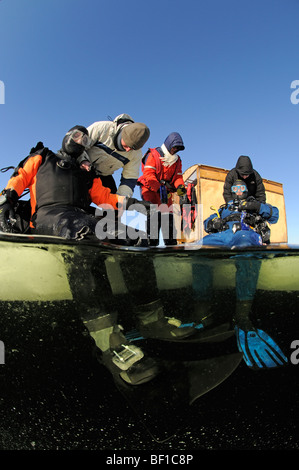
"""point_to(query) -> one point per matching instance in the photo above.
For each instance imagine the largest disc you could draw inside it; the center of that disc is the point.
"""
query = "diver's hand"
(8, 199)
(251, 205)
(215, 225)
(132, 204)
(181, 190)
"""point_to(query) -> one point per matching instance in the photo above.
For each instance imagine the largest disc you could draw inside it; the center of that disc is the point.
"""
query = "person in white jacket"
(117, 144)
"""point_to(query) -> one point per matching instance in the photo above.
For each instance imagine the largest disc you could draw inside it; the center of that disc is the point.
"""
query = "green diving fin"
(259, 350)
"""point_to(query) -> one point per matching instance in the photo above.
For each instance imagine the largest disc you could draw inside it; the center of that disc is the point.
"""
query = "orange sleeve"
(100, 195)
(26, 175)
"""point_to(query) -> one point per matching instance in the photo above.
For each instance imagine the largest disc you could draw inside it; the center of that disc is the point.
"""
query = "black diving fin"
(259, 350)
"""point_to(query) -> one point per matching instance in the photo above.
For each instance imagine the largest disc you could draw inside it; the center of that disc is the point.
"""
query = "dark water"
(55, 396)
(244, 413)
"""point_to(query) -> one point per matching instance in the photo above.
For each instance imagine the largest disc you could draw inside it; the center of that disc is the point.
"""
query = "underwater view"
(57, 393)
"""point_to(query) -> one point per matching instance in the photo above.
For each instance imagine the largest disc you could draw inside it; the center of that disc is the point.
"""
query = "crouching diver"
(242, 222)
(62, 186)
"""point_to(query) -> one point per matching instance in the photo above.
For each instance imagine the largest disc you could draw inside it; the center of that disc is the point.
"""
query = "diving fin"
(259, 350)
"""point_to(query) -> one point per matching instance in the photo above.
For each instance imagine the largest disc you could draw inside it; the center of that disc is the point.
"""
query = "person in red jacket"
(161, 177)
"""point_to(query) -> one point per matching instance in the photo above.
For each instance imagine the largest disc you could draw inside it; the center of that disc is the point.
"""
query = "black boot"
(153, 323)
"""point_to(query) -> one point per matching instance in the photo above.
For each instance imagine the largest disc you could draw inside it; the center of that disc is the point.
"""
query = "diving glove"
(181, 190)
(216, 225)
(8, 200)
(250, 205)
(132, 204)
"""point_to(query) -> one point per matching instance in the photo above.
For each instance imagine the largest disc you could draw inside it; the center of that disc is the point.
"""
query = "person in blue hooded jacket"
(243, 221)
(161, 177)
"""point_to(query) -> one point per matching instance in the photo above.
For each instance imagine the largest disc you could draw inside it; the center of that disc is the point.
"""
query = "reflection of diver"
(258, 348)
(242, 222)
(144, 310)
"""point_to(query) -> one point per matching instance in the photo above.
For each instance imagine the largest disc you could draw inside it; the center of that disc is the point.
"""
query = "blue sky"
(219, 72)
